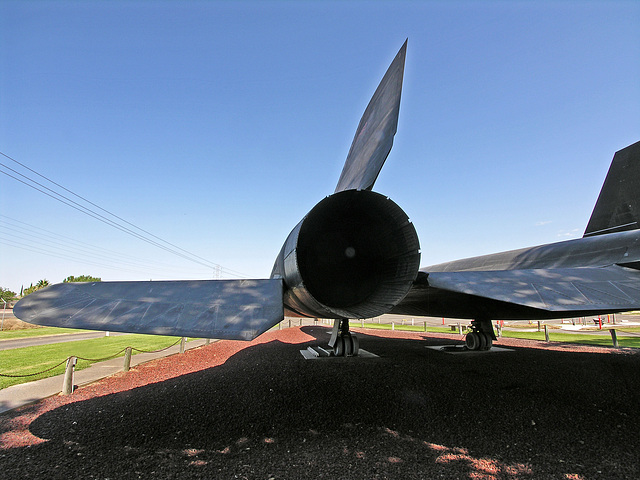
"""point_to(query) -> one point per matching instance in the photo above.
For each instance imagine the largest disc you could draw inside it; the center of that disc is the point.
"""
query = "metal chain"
(156, 351)
(34, 374)
(90, 360)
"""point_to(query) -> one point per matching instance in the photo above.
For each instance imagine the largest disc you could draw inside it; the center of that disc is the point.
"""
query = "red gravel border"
(258, 410)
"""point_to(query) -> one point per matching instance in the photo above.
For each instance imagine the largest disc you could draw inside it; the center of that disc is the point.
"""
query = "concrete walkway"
(25, 393)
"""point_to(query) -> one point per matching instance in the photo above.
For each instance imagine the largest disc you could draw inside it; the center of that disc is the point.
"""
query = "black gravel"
(414, 412)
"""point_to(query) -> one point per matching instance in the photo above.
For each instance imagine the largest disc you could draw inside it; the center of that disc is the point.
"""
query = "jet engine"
(354, 255)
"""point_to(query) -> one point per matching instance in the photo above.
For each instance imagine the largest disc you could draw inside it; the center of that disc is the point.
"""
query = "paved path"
(48, 339)
(18, 395)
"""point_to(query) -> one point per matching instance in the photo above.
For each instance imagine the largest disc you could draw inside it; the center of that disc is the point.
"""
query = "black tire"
(356, 345)
(348, 346)
(472, 341)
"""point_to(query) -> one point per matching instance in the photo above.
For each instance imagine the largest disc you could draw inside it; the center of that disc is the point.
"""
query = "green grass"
(22, 361)
(36, 332)
(554, 335)
(585, 339)
(405, 328)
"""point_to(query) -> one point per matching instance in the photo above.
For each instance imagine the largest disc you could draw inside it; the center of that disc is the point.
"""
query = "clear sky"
(217, 126)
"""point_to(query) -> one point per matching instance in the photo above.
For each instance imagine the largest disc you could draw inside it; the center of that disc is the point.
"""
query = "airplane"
(356, 255)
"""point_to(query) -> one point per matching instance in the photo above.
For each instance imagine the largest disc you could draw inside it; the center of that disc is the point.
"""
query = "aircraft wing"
(556, 290)
(223, 309)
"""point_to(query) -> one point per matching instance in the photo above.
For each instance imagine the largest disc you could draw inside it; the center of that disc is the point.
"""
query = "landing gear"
(481, 336)
(343, 342)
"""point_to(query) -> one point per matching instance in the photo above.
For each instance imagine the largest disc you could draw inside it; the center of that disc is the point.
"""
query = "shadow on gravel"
(411, 413)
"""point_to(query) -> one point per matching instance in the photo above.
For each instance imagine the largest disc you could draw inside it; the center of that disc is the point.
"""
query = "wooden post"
(67, 384)
(127, 359)
(614, 337)
(183, 341)
(546, 333)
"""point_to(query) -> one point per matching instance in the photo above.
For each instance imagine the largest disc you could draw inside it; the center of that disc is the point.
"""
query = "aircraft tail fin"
(374, 137)
(618, 205)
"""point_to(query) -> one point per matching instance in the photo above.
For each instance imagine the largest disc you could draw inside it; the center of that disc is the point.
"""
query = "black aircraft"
(356, 255)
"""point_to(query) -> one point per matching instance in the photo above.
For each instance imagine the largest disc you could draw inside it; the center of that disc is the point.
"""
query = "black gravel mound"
(266, 413)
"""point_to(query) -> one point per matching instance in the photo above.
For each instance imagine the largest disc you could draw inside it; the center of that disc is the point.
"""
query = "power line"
(144, 236)
(16, 227)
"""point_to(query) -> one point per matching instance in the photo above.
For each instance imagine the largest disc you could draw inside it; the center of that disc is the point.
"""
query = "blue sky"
(218, 125)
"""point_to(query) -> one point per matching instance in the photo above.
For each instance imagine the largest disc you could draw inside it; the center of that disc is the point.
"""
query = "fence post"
(546, 333)
(207, 341)
(127, 359)
(459, 328)
(393, 326)
(539, 323)
(183, 341)
(614, 337)
(425, 325)
(67, 384)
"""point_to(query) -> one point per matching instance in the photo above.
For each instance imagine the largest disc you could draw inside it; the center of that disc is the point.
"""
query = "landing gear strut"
(481, 336)
(343, 342)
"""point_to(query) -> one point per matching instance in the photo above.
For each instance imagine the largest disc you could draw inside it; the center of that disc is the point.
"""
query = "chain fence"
(93, 360)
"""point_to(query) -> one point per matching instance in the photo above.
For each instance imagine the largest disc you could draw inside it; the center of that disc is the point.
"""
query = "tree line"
(10, 296)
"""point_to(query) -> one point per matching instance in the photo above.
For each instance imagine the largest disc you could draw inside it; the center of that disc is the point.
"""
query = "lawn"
(23, 361)
(554, 335)
(405, 328)
(586, 339)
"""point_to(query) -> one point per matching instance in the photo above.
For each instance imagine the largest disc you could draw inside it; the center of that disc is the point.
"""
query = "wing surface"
(224, 309)
(374, 137)
(561, 289)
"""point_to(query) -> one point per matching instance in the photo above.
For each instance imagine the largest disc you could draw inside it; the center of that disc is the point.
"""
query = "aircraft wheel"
(489, 341)
(338, 348)
(356, 345)
(472, 341)
(483, 341)
(348, 346)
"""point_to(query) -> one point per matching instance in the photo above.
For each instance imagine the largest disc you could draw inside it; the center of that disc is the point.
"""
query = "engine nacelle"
(354, 255)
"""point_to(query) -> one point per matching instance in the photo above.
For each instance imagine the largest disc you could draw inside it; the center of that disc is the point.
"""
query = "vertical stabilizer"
(374, 136)
(618, 206)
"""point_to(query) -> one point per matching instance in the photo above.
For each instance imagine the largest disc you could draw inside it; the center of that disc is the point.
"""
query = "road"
(47, 339)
